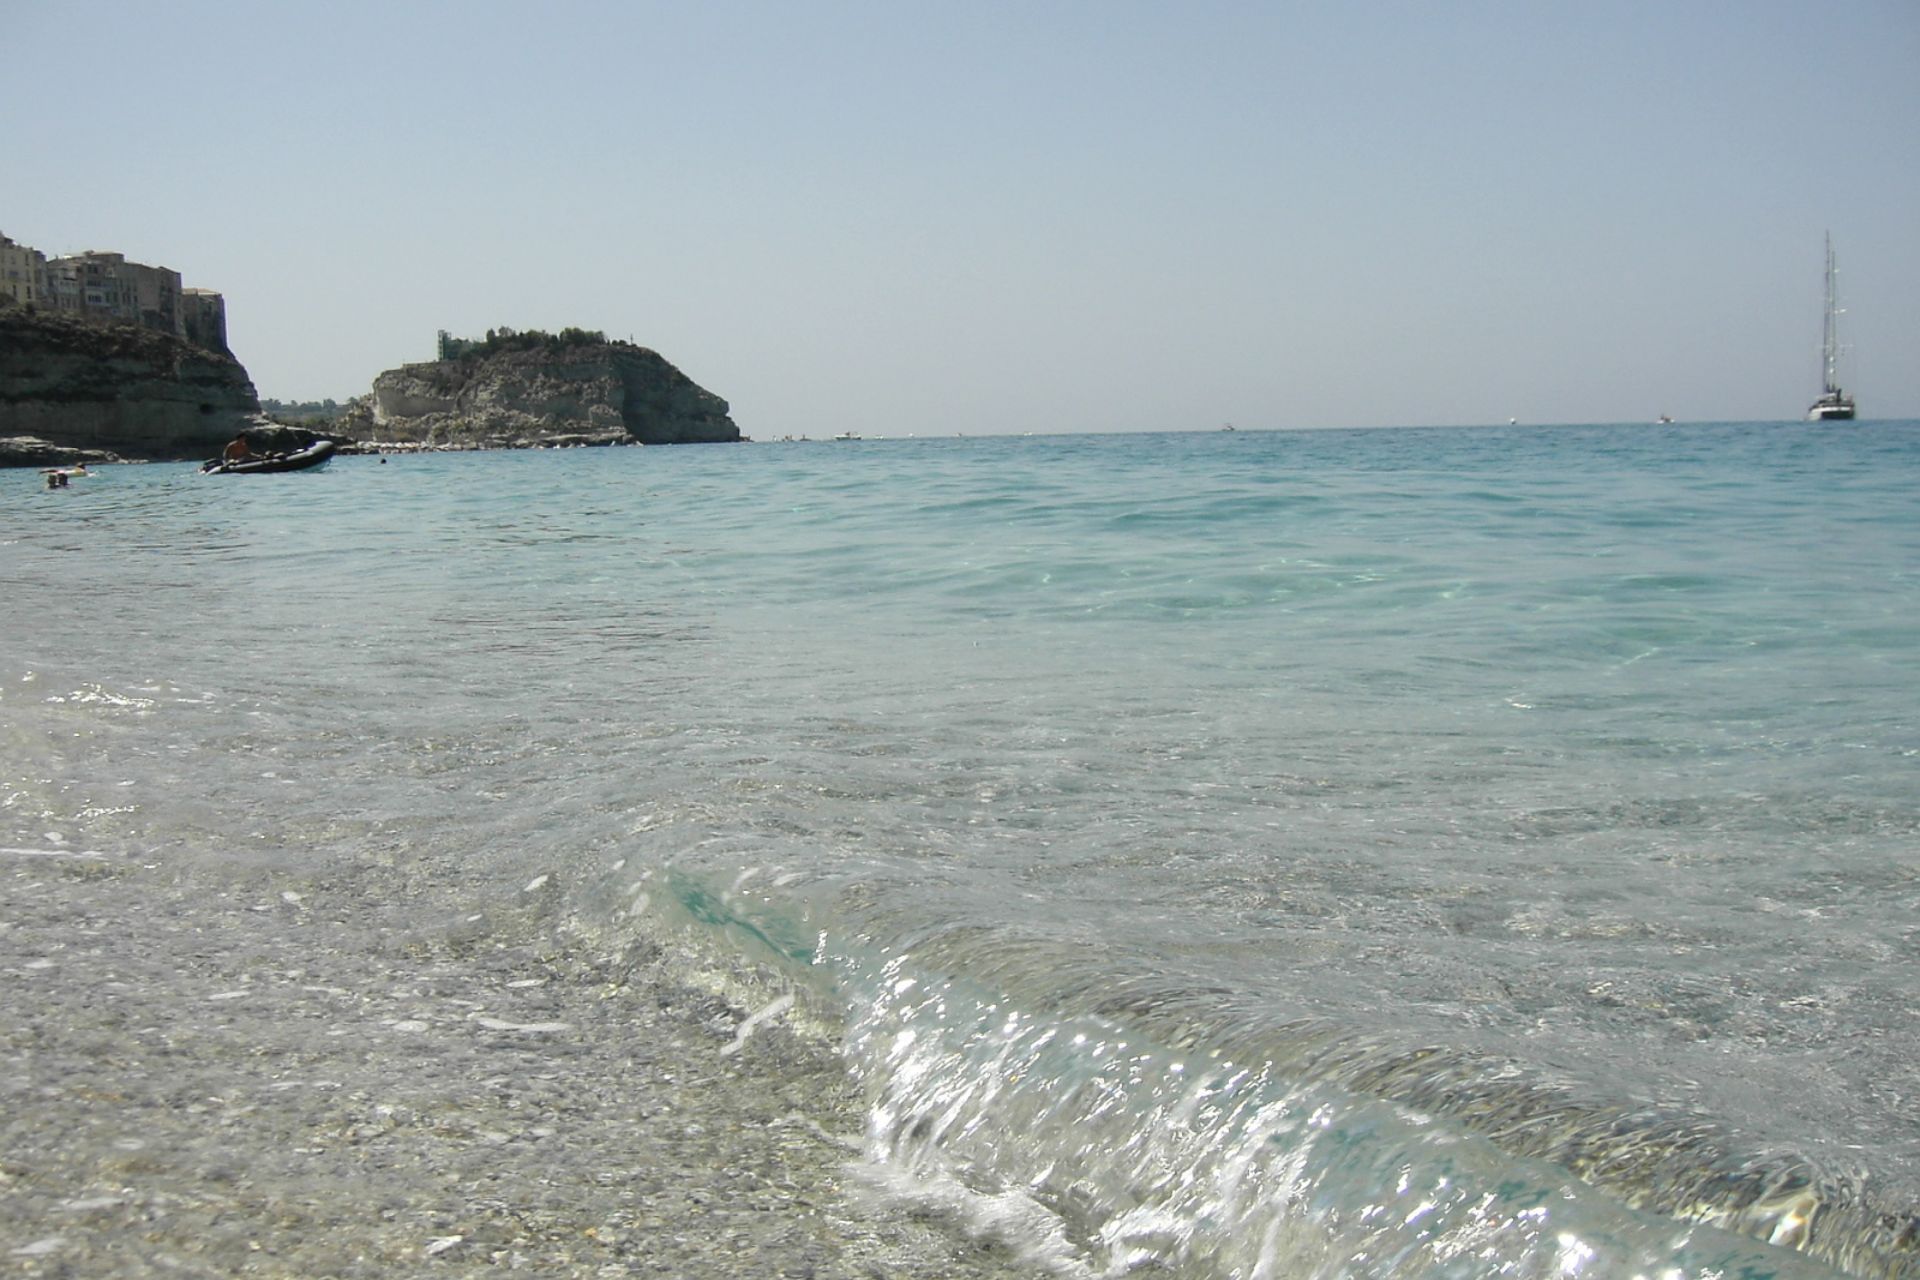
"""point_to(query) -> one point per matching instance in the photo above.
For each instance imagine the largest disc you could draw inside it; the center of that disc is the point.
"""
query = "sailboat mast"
(1830, 336)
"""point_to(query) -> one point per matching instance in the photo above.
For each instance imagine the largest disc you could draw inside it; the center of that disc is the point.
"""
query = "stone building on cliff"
(23, 274)
(105, 288)
(101, 286)
(203, 318)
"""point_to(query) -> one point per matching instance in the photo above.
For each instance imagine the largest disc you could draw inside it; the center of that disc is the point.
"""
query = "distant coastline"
(110, 360)
(86, 388)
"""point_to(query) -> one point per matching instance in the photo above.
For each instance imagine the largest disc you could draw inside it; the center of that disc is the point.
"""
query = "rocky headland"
(71, 391)
(517, 390)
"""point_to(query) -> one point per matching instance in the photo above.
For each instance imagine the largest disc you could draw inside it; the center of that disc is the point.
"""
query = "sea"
(1347, 853)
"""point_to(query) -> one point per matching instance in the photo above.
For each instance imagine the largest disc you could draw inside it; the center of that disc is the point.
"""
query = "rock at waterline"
(576, 390)
(77, 392)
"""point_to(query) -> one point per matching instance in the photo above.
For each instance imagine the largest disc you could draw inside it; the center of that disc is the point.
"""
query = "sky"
(918, 218)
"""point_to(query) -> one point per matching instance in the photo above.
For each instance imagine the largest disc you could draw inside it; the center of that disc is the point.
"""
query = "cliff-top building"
(105, 288)
(23, 273)
(203, 318)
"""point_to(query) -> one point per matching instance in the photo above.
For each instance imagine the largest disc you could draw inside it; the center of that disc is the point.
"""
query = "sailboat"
(1834, 405)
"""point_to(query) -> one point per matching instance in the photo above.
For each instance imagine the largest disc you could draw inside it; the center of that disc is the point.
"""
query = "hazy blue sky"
(918, 217)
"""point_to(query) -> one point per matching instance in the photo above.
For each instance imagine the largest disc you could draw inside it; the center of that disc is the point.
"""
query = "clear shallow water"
(1341, 853)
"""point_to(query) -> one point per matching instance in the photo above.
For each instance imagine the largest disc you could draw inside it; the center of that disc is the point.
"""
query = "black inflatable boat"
(313, 455)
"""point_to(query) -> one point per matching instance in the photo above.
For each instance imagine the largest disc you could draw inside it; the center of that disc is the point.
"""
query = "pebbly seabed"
(244, 1074)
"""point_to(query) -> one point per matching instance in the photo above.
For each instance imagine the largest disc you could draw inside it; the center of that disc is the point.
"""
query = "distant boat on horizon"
(1834, 405)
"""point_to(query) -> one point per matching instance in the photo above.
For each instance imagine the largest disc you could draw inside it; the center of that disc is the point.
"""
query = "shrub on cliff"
(503, 339)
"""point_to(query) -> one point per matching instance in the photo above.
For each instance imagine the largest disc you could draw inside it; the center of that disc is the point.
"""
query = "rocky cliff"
(588, 391)
(72, 391)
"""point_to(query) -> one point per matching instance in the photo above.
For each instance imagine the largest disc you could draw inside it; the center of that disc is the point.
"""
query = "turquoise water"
(1397, 852)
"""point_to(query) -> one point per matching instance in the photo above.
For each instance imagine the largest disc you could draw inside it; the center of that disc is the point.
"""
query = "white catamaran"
(1834, 404)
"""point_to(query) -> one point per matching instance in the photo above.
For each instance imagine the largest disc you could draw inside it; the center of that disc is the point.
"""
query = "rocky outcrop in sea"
(531, 390)
(71, 391)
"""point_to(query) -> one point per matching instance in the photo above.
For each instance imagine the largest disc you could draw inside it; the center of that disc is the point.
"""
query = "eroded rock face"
(96, 392)
(606, 392)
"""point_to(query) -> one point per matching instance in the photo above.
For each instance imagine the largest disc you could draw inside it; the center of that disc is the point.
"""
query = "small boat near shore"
(313, 455)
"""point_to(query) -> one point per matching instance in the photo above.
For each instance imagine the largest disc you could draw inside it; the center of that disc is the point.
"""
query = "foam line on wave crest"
(1688, 1204)
(1683, 1170)
(1200, 1166)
